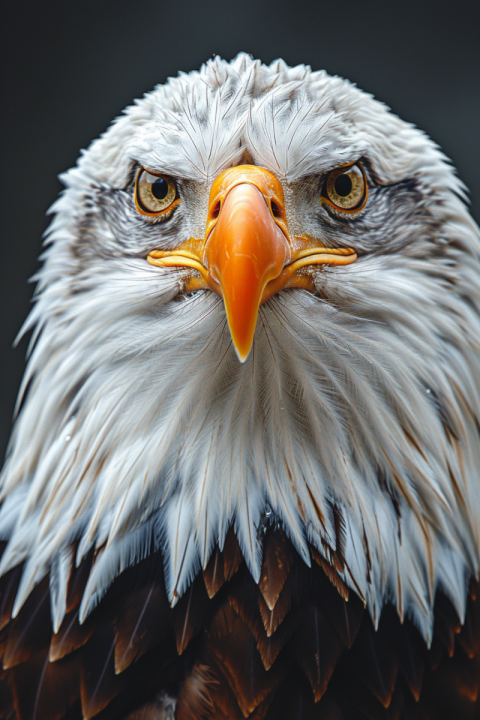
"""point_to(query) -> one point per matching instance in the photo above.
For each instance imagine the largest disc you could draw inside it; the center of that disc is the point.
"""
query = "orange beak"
(247, 254)
(244, 252)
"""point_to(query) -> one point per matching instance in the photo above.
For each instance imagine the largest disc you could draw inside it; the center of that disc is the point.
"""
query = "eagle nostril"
(275, 209)
(216, 210)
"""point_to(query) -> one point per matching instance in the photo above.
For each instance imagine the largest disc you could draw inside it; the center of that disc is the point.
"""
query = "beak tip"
(241, 354)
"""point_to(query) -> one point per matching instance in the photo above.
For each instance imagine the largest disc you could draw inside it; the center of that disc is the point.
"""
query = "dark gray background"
(70, 67)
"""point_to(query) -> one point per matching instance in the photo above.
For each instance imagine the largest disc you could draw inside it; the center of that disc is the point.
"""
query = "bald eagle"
(244, 476)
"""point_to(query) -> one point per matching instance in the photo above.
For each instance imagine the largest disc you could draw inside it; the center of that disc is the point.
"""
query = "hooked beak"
(245, 251)
(247, 254)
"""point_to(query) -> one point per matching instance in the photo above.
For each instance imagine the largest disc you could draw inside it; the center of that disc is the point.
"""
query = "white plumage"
(140, 428)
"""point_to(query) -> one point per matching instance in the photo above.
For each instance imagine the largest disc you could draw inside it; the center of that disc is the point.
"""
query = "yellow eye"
(346, 188)
(154, 194)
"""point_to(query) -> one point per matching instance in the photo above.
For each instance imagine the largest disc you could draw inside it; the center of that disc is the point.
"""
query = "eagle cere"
(243, 479)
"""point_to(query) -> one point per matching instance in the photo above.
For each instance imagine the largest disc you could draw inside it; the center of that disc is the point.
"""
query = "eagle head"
(259, 303)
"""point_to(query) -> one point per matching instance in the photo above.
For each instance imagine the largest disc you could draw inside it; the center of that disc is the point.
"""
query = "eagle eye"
(346, 188)
(155, 194)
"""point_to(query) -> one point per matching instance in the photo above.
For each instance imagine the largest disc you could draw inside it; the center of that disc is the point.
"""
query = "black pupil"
(160, 189)
(343, 185)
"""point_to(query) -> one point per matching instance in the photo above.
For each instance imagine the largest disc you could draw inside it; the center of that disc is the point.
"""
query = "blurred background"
(71, 67)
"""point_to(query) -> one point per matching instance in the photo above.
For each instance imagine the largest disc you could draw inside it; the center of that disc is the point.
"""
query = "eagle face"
(259, 300)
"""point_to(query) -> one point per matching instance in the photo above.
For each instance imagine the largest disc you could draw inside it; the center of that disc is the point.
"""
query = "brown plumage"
(311, 653)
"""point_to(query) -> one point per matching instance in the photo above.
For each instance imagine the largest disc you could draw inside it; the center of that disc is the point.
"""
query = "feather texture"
(348, 442)
(323, 656)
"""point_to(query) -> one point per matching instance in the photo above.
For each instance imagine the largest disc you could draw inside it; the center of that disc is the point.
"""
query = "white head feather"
(139, 427)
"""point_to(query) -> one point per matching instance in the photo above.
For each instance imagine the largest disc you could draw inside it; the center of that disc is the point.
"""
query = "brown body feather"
(297, 645)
